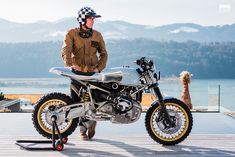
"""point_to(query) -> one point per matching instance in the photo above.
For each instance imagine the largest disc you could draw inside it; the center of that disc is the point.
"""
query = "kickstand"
(56, 145)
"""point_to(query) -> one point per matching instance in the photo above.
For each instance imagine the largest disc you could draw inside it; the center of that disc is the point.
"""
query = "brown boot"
(84, 137)
(91, 129)
(83, 134)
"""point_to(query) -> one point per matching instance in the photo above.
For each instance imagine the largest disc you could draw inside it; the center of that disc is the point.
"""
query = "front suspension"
(163, 109)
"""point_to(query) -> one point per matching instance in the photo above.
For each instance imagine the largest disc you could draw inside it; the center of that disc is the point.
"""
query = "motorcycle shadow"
(122, 149)
(195, 151)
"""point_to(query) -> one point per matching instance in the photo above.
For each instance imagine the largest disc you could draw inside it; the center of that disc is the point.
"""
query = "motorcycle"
(115, 96)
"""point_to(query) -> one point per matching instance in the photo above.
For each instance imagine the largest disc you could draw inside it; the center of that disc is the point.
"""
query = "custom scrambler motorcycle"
(114, 96)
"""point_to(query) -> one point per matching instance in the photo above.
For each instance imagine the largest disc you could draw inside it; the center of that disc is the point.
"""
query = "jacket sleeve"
(103, 54)
(67, 50)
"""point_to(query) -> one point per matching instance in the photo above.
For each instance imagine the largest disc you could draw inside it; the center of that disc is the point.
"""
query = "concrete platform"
(213, 134)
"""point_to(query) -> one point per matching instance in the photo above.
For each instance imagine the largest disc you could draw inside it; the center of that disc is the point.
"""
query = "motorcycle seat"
(106, 77)
(92, 76)
(82, 73)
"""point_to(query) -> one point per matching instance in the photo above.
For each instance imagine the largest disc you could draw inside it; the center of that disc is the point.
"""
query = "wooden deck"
(121, 146)
(213, 134)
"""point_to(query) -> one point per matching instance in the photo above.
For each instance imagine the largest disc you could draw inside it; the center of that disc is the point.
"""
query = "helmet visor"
(92, 14)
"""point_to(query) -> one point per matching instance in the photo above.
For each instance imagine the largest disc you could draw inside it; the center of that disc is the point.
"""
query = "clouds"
(147, 12)
(224, 8)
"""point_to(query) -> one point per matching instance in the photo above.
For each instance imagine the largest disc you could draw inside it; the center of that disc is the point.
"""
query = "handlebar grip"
(139, 71)
(138, 62)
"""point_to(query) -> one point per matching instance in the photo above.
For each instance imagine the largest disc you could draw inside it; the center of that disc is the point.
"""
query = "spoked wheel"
(43, 111)
(161, 130)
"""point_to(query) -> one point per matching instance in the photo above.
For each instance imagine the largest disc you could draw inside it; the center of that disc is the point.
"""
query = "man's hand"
(96, 70)
(76, 68)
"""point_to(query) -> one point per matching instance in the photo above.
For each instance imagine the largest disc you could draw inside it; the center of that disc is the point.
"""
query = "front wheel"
(159, 128)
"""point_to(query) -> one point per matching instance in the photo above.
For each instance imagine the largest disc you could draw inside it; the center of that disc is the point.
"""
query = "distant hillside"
(54, 31)
(204, 60)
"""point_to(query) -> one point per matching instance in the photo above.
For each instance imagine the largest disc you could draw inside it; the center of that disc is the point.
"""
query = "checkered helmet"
(85, 12)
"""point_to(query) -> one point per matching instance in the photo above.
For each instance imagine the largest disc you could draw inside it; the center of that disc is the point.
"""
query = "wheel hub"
(52, 112)
(164, 125)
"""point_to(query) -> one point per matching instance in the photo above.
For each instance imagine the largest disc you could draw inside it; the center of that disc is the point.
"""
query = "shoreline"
(33, 98)
(147, 98)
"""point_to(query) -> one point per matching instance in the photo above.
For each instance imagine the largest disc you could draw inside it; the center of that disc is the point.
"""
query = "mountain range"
(12, 32)
(30, 49)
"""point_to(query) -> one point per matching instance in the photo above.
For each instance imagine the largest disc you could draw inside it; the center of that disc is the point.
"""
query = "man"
(84, 50)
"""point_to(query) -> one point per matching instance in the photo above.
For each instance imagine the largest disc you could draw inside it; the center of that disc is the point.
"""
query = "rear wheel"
(43, 111)
(159, 128)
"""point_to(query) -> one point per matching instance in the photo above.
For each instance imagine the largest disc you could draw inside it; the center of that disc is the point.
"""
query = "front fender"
(164, 98)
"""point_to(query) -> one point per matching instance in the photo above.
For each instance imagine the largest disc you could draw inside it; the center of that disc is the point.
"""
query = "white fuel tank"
(129, 75)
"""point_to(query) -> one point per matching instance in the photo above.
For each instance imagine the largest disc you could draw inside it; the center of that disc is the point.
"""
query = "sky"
(146, 12)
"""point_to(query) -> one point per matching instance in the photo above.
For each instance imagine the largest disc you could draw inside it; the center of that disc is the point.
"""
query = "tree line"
(204, 60)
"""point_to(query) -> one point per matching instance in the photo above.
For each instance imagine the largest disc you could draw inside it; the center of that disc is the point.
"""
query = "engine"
(123, 110)
(119, 104)
(130, 116)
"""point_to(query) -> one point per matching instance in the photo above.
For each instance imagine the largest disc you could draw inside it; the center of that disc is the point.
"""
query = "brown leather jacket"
(82, 52)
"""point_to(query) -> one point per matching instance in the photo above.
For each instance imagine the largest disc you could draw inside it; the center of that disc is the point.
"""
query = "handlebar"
(144, 64)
